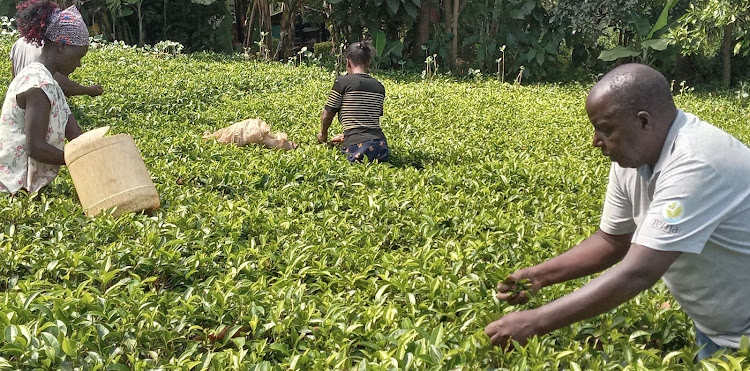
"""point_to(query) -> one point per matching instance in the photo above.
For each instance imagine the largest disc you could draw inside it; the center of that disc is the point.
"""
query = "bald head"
(632, 111)
(631, 88)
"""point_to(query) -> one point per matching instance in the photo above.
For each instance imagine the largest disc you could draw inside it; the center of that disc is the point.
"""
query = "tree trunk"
(249, 24)
(164, 17)
(114, 25)
(141, 37)
(261, 8)
(422, 29)
(264, 22)
(454, 30)
(726, 55)
(448, 20)
(240, 13)
(287, 30)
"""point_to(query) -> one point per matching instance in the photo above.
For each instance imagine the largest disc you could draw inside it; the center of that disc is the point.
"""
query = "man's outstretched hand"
(518, 326)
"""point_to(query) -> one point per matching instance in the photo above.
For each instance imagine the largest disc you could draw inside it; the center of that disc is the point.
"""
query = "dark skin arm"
(72, 130)
(37, 107)
(71, 88)
(641, 268)
(326, 118)
(594, 254)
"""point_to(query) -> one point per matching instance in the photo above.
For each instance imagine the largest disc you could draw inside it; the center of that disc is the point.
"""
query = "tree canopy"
(529, 39)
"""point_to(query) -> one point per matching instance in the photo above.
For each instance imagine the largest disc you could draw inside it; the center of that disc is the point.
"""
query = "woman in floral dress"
(36, 119)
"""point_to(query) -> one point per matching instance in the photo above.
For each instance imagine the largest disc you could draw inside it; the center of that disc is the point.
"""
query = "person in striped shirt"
(358, 99)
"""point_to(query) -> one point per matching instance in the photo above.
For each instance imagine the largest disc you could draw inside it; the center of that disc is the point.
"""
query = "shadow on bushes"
(413, 158)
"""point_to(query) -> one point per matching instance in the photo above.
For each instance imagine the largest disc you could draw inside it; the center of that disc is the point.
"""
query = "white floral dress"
(17, 169)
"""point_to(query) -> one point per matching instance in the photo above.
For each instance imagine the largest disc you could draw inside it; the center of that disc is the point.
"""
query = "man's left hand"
(519, 326)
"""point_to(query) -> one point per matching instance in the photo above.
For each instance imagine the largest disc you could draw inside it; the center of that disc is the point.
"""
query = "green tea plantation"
(264, 259)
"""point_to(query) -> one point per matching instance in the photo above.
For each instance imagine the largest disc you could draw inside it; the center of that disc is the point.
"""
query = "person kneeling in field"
(35, 118)
(677, 208)
(358, 99)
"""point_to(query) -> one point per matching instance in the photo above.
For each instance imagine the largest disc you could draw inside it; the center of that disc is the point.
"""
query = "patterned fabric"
(372, 150)
(17, 169)
(358, 98)
(67, 27)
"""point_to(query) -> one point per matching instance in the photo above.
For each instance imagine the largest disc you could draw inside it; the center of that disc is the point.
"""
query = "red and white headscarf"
(67, 27)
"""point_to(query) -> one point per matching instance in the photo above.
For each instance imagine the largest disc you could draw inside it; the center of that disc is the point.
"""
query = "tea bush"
(269, 260)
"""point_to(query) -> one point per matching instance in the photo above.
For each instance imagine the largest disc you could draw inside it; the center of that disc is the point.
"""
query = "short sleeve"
(617, 215)
(335, 97)
(12, 54)
(381, 106)
(35, 77)
(689, 202)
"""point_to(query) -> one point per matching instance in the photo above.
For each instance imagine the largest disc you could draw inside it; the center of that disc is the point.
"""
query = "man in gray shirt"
(677, 208)
(22, 53)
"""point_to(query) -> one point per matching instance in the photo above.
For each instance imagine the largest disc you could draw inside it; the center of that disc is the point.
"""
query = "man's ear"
(646, 121)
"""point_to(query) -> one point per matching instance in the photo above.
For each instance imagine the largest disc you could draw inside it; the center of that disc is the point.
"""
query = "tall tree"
(240, 18)
(716, 27)
(262, 9)
(422, 29)
(289, 11)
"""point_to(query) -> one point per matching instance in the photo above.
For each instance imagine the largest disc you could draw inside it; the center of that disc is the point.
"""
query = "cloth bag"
(251, 131)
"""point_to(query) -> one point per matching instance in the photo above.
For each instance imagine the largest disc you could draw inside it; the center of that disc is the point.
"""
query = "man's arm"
(641, 268)
(326, 118)
(594, 254)
(71, 88)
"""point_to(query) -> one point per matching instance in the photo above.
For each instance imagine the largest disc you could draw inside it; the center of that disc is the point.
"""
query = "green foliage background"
(313, 263)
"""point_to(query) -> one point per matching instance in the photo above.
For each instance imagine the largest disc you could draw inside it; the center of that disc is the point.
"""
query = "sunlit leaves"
(271, 260)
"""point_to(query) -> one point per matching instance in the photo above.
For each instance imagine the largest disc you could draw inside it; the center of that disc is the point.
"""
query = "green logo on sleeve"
(673, 211)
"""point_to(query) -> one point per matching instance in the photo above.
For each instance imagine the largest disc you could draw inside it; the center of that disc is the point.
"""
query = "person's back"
(22, 54)
(358, 99)
(360, 105)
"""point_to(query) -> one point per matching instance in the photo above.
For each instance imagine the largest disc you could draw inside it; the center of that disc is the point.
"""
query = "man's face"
(621, 137)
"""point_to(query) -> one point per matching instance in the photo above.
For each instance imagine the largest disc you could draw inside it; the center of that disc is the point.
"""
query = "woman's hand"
(94, 90)
(322, 138)
(337, 139)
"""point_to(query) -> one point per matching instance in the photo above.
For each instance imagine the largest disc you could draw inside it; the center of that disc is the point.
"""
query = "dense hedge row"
(312, 263)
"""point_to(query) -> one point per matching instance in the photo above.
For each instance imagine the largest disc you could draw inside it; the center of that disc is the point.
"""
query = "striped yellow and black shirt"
(358, 99)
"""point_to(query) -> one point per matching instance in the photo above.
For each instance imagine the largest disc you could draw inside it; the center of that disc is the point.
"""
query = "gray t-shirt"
(696, 200)
(23, 53)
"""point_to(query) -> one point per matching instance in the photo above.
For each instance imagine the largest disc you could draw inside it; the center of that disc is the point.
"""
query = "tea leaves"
(272, 260)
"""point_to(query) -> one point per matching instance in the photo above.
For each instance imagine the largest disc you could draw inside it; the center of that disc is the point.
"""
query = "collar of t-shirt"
(646, 171)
